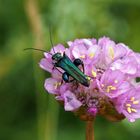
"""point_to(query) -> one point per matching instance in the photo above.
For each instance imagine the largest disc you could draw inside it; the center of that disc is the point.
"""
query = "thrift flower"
(110, 68)
(129, 104)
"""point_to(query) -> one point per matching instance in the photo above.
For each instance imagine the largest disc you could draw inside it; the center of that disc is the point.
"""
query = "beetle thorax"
(57, 56)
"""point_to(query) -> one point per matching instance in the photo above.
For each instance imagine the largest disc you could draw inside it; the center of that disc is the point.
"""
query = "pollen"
(133, 110)
(132, 98)
(128, 105)
(109, 88)
(94, 73)
(111, 52)
(57, 84)
(130, 110)
(91, 55)
(136, 102)
(82, 56)
(88, 78)
(113, 88)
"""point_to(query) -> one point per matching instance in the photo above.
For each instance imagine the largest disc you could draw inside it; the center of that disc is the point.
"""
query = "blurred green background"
(26, 111)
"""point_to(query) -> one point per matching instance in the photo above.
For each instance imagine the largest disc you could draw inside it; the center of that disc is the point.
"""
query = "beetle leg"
(65, 77)
(61, 81)
(77, 62)
(55, 67)
(58, 70)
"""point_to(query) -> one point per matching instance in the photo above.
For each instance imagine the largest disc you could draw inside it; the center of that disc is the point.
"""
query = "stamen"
(111, 52)
(129, 110)
(91, 55)
(132, 98)
(128, 105)
(136, 102)
(57, 84)
(82, 56)
(133, 110)
(88, 78)
(93, 73)
(110, 88)
(113, 88)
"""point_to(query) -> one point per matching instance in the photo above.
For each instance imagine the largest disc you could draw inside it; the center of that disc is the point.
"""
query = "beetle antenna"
(36, 50)
(50, 33)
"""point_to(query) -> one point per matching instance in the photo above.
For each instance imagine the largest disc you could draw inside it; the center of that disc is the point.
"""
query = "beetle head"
(57, 56)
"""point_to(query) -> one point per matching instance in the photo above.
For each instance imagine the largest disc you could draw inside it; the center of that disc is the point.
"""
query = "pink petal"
(46, 65)
(71, 103)
(52, 85)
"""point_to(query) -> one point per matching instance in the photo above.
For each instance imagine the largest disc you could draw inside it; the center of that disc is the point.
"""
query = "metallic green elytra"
(70, 68)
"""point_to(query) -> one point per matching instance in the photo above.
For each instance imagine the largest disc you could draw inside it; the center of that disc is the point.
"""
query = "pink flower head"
(110, 70)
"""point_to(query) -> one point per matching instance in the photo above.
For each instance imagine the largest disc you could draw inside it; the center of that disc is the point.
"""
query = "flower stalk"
(89, 130)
